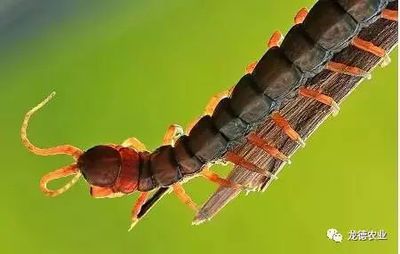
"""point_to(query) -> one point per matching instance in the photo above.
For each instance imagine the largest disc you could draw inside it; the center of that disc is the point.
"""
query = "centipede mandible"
(267, 115)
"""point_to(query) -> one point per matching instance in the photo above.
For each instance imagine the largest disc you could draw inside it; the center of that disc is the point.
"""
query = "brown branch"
(304, 115)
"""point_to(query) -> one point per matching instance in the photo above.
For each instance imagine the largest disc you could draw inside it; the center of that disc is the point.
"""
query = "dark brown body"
(308, 48)
(329, 27)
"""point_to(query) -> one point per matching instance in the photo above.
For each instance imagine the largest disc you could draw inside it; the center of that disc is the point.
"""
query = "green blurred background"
(131, 68)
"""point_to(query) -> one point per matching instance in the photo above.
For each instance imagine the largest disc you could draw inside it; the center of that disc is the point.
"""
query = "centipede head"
(108, 169)
(100, 165)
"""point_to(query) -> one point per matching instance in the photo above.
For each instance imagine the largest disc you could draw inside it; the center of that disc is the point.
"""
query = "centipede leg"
(135, 144)
(391, 15)
(104, 192)
(275, 40)
(242, 162)
(174, 131)
(347, 70)
(136, 208)
(300, 16)
(215, 178)
(209, 109)
(368, 46)
(250, 67)
(143, 204)
(282, 123)
(269, 149)
(319, 96)
(185, 198)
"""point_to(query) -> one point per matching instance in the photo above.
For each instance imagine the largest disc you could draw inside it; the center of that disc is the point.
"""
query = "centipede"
(231, 118)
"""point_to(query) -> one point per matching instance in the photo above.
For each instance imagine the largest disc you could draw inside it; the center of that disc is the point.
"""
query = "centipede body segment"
(281, 73)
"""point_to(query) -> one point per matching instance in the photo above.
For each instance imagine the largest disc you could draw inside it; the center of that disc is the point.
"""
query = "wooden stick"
(305, 116)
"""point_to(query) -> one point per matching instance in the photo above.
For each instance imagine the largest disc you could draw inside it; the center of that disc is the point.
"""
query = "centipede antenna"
(57, 174)
(63, 149)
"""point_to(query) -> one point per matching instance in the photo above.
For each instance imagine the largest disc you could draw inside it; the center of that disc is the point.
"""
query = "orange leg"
(300, 16)
(135, 144)
(57, 174)
(282, 123)
(348, 70)
(215, 178)
(242, 162)
(250, 67)
(181, 194)
(390, 14)
(317, 95)
(104, 192)
(136, 208)
(368, 46)
(209, 109)
(100, 192)
(174, 131)
(371, 48)
(261, 143)
(275, 40)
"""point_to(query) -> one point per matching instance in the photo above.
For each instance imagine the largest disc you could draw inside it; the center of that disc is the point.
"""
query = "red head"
(109, 169)
(100, 165)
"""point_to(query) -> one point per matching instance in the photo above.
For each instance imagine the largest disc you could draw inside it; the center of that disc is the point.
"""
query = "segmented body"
(232, 117)
(328, 28)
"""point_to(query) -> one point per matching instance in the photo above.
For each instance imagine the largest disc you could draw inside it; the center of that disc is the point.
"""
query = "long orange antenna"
(57, 174)
(63, 149)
